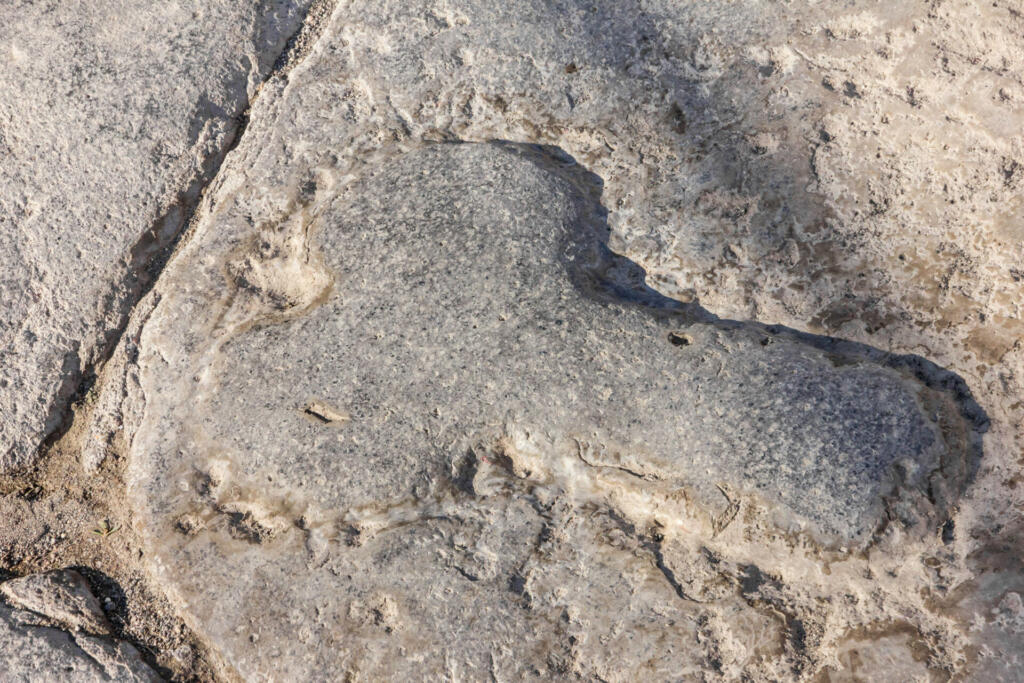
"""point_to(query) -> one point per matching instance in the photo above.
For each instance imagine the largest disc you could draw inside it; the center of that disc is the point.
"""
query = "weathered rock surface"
(33, 651)
(395, 390)
(105, 142)
(395, 409)
(62, 596)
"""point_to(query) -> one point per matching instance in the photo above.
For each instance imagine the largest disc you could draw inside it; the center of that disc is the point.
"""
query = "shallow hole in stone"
(679, 339)
(948, 531)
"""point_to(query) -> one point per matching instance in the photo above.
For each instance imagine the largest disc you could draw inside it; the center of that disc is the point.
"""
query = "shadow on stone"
(611, 277)
(115, 605)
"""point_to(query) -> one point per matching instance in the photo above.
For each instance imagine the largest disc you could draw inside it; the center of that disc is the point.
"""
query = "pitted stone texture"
(112, 114)
(366, 421)
(747, 148)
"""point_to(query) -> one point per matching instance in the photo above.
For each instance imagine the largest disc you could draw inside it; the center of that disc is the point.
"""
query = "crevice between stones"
(152, 251)
(144, 263)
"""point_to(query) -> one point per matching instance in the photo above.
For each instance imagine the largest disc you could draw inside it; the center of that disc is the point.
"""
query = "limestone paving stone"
(365, 424)
(401, 412)
(112, 116)
(398, 410)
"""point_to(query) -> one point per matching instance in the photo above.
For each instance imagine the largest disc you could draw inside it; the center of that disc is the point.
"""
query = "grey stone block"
(112, 117)
(445, 347)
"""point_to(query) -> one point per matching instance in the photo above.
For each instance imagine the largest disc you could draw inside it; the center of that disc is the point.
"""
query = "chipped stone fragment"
(39, 653)
(63, 596)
